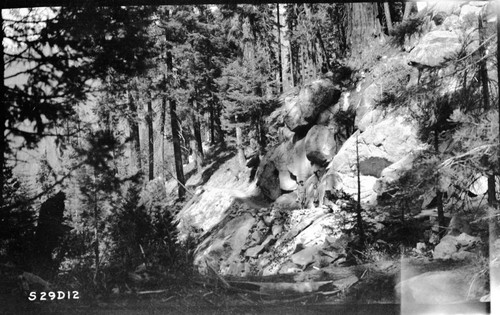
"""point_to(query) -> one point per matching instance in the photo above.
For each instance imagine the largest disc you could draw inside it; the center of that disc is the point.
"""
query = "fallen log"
(282, 287)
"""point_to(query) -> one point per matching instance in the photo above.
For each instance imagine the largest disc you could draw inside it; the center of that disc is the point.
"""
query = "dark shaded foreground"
(194, 305)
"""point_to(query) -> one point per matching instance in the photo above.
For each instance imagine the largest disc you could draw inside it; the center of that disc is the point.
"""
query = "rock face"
(222, 249)
(434, 48)
(312, 100)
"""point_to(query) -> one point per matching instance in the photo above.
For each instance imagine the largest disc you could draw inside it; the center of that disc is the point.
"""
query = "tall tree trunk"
(212, 123)
(162, 132)
(220, 132)
(483, 71)
(151, 152)
(280, 61)
(359, 219)
(96, 229)
(388, 19)
(239, 146)
(197, 128)
(326, 62)
(177, 149)
(134, 133)
(362, 25)
(176, 137)
(439, 193)
(495, 271)
(3, 116)
(483, 74)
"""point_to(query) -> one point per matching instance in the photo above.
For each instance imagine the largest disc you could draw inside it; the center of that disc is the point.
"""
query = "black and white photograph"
(249, 157)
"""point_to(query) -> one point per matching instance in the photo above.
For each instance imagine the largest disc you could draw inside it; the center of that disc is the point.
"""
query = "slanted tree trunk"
(408, 7)
(388, 19)
(151, 152)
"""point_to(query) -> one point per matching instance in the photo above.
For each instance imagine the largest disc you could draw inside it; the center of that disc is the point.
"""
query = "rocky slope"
(309, 179)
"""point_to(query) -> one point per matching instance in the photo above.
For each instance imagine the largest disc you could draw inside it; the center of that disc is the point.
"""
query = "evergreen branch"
(452, 160)
(479, 47)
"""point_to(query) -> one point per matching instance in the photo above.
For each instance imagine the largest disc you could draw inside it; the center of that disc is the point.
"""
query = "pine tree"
(53, 55)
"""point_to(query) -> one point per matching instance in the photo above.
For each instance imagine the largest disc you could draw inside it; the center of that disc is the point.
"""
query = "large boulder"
(298, 163)
(435, 48)
(446, 248)
(279, 157)
(313, 98)
(269, 180)
(320, 144)
(380, 146)
(287, 201)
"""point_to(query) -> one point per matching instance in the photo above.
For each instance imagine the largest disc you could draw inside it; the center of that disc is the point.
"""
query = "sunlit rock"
(435, 48)
(320, 145)
(298, 164)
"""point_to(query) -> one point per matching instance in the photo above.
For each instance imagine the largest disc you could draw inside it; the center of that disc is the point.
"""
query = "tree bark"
(362, 25)
(134, 133)
(151, 152)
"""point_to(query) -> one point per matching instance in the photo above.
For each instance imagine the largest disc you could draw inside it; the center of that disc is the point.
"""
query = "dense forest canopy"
(104, 107)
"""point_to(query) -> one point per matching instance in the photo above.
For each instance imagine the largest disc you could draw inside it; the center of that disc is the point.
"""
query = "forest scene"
(265, 158)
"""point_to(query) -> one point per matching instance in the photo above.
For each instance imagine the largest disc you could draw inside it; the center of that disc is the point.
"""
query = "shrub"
(415, 25)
